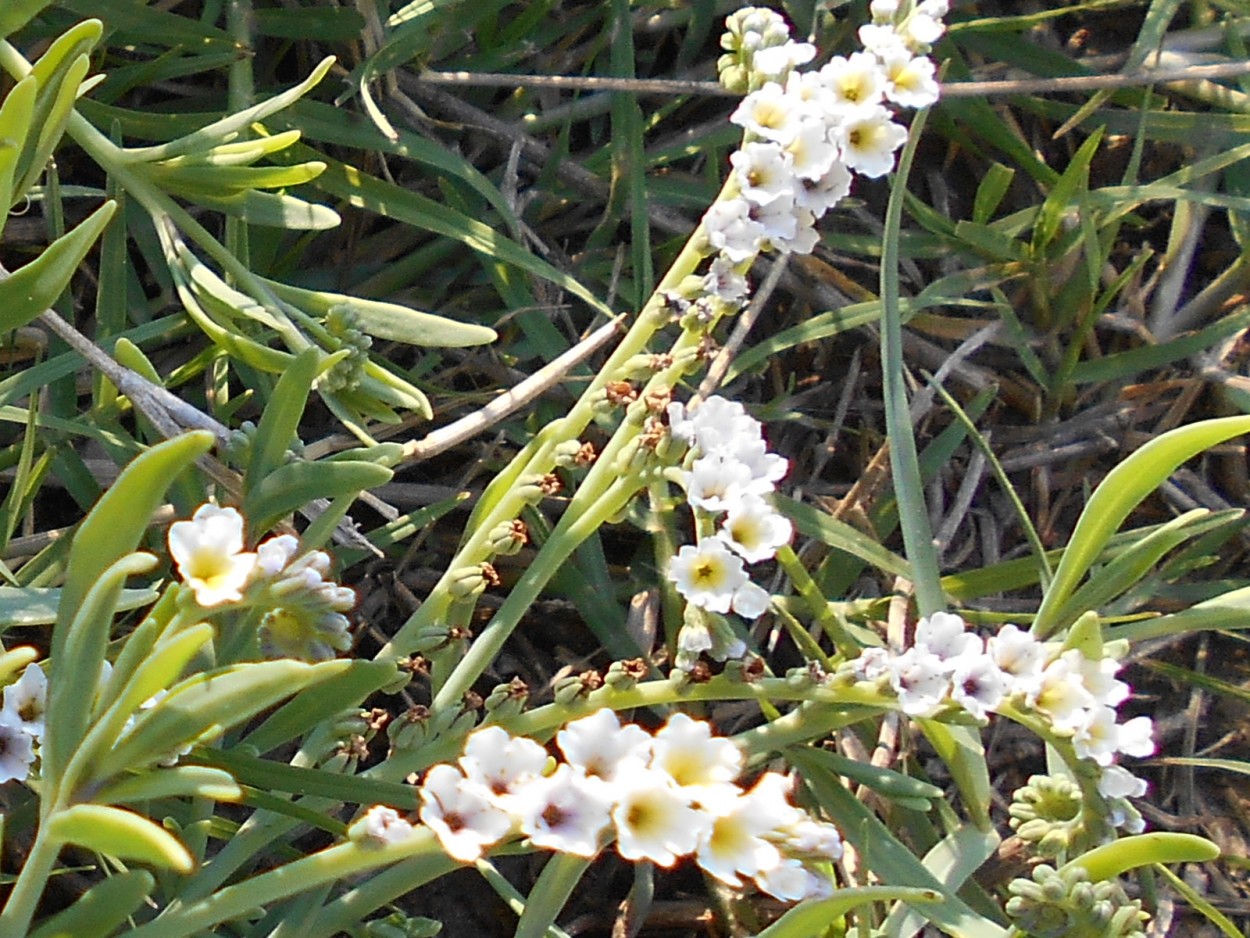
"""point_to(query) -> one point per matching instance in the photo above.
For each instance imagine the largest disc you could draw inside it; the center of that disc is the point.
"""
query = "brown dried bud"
(620, 393)
(585, 455)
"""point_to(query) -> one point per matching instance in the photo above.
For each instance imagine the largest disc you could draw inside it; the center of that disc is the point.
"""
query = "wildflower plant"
(200, 707)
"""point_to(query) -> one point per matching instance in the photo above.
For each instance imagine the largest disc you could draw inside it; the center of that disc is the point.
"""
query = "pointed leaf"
(294, 485)
(279, 423)
(216, 699)
(389, 320)
(812, 918)
(121, 834)
(1110, 860)
(35, 287)
(180, 781)
(1119, 493)
(16, 118)
(102, 908)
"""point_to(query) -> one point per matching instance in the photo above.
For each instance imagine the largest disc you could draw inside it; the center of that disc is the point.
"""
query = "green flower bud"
(1048, 812)
(508, 537)
(467, 582)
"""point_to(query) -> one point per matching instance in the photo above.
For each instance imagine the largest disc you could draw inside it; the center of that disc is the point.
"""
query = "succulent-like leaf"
(210, 701)
(121, 834)
(294, 485)
(34, 287)
(16, 118)
(102, 908)
(179, 781)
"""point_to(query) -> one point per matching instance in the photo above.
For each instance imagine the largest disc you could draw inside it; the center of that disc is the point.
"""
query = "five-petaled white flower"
(209, 553)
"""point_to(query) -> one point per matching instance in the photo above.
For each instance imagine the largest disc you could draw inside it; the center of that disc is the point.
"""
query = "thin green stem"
(816, 602)
(24, 899)
(904, 461)
(342, 861)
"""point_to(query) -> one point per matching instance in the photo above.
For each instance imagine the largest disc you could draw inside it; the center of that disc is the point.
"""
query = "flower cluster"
(727, 479)
(809, 132)
(304, 617)
(658, 796)
(22, 723)
(1076, 695)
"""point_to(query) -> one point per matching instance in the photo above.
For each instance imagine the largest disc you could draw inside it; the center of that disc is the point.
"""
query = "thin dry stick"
(956, 89)
(512, 400)
(720, 364)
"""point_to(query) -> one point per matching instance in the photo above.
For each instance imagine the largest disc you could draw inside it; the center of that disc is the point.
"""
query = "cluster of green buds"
(1047, 812)
(747, 32)
(346, 374)
(1063, 903)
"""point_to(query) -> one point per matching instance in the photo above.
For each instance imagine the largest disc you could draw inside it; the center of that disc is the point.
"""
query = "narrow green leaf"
(330, 697)
(1110, 860)
(886, 856)
(16, 118)
(388, 320)
(35, 287)
(294, 485)
(121, 834)
(364, 191)
(213, 700)
(279, 423)
(880, 779)
(814, 917)
(1120, 492)
(839, 535)
(952, 860)
(262, 208)
(102, 908)
(179, 781)
(14, 14)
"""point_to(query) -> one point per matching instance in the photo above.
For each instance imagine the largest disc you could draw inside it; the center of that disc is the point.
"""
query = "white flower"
(978, 685)
(564, 811)
(27, 699)
(1135, 738)
(921, 29)
(718, 425)
(385, 824)
(912, 79)
(1097, 735)
(882, 40)
(655, 819)
(883, 11)
(775, 62)
(791, 881)
(811, 838)
(777, 219)
(1118, 782)
(500, 762)
(769, 113)
(716, 482)
(749, 601)
(687, 752)
(601, 748)
(461, 814)
(734, 844)
(731, 229)
(208, 550)
(754, 530)
(724, 281)
(764, 171)
(868, 140)
(811, 154)
(920, 680)
(766, 468)
(820, 195)
(273, 554)
(17, 748)
(707, 575)
(1099, 678)
(1020, 656)
(945, 635)
(857, 81)
(1061, 694)
(872, 664)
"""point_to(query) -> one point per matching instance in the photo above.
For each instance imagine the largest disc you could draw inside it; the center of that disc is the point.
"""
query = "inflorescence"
(659, 797)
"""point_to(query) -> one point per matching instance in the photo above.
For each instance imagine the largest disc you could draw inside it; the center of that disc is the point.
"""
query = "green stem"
(555, 884)
(24, 899)
(342, 861)
(817, 603)
(904, 462)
